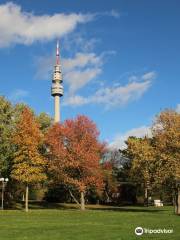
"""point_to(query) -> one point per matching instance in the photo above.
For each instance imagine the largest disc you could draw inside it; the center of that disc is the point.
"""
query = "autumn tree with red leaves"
(74, 155)
(28, 164)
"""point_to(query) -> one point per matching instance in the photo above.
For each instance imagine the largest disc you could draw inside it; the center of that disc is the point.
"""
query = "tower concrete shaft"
(56, 108)
(57, 88)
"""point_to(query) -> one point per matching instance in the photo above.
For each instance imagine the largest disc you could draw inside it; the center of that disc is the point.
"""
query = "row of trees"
(67, 153)
(70, 157)
(155, 161)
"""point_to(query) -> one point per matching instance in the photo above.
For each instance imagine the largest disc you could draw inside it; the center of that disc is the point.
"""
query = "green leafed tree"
(45, 121)
(6, 127)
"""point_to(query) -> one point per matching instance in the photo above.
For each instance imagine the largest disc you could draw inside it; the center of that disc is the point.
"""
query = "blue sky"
(120, 59)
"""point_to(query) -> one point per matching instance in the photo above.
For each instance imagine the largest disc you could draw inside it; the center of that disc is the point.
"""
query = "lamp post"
(4, 182)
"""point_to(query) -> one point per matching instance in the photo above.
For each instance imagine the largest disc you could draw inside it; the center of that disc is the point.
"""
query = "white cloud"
(83, 68)
(133, 78)
(77, 79)
(145, 77)
(112, 13)
(112, 97)
(81, 60)
(17, 26)
(80, 42)
(75, 101)
(178, 108)
(149, 76)
(119, 140)
(80, 70)
(18, 95)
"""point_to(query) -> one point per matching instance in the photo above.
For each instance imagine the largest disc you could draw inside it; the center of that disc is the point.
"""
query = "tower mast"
(57, 88)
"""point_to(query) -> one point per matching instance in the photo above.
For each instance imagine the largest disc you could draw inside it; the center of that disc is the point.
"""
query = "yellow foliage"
(28, 164)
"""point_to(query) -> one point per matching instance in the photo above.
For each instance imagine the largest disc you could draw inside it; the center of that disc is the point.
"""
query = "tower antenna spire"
(57, 53)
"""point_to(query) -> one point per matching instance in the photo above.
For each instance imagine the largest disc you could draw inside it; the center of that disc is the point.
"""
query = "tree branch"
(74, 198)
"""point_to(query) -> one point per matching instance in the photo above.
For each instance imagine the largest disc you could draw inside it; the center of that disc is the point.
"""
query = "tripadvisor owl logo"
(139, 231)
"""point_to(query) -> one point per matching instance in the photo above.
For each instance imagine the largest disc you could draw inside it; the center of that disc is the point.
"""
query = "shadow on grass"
(46, 205)
(131, 209)
(64, 206)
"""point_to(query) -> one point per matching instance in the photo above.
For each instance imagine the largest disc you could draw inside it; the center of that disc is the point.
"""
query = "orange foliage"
(28, 164)
(75, 153)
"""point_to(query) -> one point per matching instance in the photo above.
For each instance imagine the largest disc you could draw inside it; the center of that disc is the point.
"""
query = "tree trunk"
(73, 197)
(2, 196)
(82, 201)
(108, 198)
(146, 197)
(178, 201)
(26, 202)
(175, 203)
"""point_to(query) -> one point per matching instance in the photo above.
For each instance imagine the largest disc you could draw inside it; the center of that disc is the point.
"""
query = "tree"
(110, 181)
(28, 164)
(166, 132)
(142, 155)
(45, 121)
(113, 167)
(6, 127)
(74, 155)
(157, 160)
(9, 116)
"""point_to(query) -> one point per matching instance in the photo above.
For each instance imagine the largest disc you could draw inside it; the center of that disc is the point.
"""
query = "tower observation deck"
(57, 88)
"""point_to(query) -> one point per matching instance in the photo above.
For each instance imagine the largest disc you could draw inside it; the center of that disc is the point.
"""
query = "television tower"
(57, 88)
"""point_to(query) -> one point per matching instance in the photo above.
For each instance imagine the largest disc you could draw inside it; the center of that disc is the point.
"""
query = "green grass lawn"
(101, 223)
